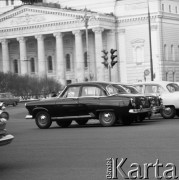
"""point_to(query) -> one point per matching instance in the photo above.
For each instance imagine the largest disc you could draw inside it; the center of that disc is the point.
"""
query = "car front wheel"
(64, 123)
(107, 118)
(168, 112)
(43, 120)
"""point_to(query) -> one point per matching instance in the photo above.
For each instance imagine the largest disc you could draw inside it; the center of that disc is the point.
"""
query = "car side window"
(139, 88)
(153, 89)
(149, 89)
(88, 91)
(72, 92)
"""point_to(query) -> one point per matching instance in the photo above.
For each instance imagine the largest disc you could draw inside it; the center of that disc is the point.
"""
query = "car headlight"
(132, 102)
(160, 100)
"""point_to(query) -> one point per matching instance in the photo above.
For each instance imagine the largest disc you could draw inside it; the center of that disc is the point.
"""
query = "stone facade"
(41, 40)
(134, 47)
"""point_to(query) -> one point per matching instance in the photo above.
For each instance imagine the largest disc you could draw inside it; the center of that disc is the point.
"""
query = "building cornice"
(74, 22)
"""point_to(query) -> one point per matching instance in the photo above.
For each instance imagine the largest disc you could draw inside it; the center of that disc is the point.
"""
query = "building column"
(79, 60)
(122, 56)
(41, 55)
(5, 55)
(98, 48)
(23, 55)
(60, 65)
(112, 45)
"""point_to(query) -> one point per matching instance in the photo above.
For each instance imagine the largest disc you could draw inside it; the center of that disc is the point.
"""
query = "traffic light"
(113, 62)
(105, 57)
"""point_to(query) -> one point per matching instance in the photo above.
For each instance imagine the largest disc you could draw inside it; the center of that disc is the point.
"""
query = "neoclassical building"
(44, 40)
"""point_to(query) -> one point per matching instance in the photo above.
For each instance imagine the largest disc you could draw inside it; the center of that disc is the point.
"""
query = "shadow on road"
(96, 123)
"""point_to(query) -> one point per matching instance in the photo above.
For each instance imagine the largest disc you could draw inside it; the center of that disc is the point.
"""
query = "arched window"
(32, 65)
(15, 66)
(85, 60)
(50, 64)
(12, 2)
(68, 62)
(7, 2)
(138, 51)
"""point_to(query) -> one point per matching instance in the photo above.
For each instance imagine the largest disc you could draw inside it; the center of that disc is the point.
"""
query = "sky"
(105, 6)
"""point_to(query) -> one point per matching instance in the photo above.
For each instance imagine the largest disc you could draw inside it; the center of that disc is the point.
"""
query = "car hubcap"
(43, 119)
(107, 117)
(168, 110)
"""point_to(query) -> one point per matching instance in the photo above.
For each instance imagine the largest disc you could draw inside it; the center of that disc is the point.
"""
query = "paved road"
(79, 153)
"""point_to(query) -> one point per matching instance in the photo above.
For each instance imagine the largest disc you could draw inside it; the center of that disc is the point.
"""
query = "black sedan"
(89, 100)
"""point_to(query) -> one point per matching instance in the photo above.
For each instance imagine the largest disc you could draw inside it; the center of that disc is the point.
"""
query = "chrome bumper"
(143, 110)
(29, 117)
(6, 139)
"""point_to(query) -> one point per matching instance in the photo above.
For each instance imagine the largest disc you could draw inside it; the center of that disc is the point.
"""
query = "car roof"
(153, 82)
(90, 83)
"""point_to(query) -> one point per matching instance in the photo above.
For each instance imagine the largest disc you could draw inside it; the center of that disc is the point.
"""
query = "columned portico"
(122, 55)
(60, 65)
(5, 55)
(79, 64)
(98, 48)
(63, 57)
(41, 55)
(23, 55)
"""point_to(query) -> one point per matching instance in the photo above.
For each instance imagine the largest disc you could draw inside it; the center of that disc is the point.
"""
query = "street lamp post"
(86, 19)
(150, 42)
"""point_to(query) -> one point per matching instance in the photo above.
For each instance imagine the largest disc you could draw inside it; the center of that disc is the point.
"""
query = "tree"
(26, 86)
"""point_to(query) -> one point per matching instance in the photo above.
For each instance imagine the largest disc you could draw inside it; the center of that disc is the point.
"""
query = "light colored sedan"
(169, 92)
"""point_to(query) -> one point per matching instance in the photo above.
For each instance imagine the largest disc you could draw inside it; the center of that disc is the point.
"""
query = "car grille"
(142, 102)
(154, 101)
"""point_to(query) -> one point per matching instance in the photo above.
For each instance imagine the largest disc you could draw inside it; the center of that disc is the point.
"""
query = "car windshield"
(119, 89)
(131, 89)
(111, 90)
(172, 87)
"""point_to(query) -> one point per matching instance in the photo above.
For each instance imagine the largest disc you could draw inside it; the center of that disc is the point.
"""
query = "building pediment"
(28, 20)
(31, 15)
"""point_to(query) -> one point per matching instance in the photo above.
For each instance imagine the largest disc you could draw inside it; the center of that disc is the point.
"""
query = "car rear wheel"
(168, 112)
(81, 121)
(5, 115)
(107, 118)
(64, 123)
(43, 120)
